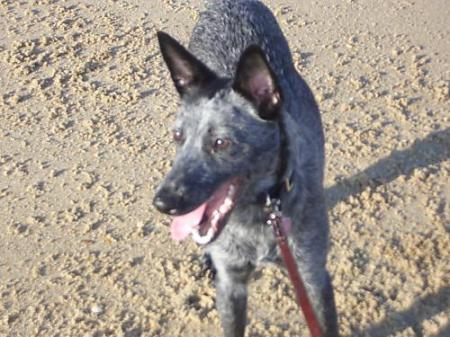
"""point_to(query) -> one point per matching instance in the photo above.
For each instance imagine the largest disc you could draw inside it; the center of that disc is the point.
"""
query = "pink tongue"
(183, 225)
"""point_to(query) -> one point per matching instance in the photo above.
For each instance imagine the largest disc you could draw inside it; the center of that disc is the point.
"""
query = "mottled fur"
(211, 108)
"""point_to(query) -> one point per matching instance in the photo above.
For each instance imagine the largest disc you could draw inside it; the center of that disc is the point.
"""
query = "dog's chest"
(251, 241)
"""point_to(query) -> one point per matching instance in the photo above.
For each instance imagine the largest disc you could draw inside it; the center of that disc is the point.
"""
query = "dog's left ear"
(187, 72)
(256, 81)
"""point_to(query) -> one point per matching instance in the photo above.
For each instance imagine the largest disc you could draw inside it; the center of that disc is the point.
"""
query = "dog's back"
(227, 27)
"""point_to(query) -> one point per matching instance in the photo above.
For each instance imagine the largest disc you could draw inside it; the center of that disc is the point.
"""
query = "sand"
(85, 110)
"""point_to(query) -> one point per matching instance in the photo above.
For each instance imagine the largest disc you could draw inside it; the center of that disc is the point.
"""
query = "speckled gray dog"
(247, 123)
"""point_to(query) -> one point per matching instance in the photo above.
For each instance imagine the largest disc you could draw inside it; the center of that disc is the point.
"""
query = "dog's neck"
(279, 181)
(283, 182)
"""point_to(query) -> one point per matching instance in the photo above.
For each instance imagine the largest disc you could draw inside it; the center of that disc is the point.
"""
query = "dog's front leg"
(231, 284)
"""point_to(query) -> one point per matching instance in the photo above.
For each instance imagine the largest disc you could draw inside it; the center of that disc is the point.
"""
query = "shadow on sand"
(433, 149)
(422, 309)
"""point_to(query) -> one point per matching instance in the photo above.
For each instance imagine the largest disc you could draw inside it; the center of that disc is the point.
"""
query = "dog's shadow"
(422, 309)
(433, 149)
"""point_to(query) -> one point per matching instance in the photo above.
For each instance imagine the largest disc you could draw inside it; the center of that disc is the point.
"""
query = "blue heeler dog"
(248, 128)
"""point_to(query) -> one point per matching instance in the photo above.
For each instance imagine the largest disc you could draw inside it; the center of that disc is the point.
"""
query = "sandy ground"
(85, 111)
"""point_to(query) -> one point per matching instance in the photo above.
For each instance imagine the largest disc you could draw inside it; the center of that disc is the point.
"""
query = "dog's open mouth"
(205, 222)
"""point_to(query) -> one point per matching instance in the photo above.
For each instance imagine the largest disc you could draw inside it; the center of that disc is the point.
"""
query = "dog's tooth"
(228, 202)
(215, 219)
(210, 234)
(214, 222)
(231, 190)
(203, 240)
(220, 216)
(224, 209)
(197, 237)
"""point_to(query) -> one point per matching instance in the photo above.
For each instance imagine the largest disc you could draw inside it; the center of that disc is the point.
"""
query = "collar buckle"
(288, 184)
(272, 204)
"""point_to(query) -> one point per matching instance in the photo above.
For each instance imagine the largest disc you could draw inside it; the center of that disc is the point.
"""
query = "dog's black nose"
(164, 205)
(169, 200)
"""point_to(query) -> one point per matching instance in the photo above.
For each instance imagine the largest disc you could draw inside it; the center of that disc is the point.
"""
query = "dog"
(248, 128)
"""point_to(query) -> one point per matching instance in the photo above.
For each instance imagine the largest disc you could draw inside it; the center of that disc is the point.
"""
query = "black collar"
(284, 180)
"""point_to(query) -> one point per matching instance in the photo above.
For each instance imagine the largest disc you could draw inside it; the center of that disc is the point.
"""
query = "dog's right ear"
(187, 72)
(256, 81)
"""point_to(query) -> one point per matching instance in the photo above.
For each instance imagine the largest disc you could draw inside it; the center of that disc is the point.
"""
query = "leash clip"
(275, 217)
(275, 220)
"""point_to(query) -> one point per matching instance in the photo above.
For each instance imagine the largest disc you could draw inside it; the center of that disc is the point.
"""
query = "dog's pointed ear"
(256, 81)
(187, 72)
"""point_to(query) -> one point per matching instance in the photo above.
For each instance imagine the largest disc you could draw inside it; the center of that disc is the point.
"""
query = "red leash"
(276, 220)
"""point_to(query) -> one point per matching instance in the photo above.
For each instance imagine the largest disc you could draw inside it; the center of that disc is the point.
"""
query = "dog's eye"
(221, 144)
(177, 135)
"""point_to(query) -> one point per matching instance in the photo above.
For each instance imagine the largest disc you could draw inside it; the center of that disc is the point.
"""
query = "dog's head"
(227, 137)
